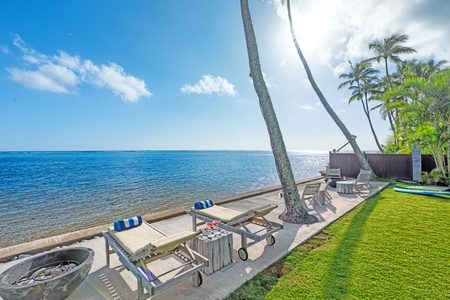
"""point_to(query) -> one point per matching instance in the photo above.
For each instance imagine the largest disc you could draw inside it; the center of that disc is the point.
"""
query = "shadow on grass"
(337, 278)
(439, 197)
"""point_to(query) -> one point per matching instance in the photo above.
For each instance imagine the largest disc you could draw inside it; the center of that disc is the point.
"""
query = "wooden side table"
(216, 244)
(344, 187)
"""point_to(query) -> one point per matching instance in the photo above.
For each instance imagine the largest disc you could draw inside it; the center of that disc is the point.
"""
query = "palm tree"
(390, 49)
(295, 209)
(424, 116)
(432, 68)
(350, 138)
(439, 89)
(360, 80)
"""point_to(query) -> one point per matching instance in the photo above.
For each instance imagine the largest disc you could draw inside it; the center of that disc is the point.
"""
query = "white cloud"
(307, 107)
(67, 60)
(36, 80)
(4, 49)
(210, 85)
(346, 33)
(128, 87)
(59, 74)
(62, 73)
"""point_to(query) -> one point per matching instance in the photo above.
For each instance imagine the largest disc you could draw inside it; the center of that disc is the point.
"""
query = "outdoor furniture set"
(141, 247)
(333, 178)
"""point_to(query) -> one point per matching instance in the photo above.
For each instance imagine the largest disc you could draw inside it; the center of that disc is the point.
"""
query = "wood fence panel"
(383, 165)
(391, 165)
(347, 162)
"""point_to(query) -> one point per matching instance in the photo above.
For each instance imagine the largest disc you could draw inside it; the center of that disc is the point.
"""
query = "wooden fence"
(383, 165)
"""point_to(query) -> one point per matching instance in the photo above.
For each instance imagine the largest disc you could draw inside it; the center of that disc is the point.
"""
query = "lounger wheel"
(270, 240)
(197, 279)
(243, 254)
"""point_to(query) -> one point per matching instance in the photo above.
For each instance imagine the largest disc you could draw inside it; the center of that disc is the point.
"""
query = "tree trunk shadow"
(336, 280)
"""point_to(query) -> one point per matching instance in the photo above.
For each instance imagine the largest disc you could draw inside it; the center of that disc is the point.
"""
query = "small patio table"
(344, 187)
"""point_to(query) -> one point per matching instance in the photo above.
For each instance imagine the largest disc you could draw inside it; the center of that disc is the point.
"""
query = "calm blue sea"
(49, 193)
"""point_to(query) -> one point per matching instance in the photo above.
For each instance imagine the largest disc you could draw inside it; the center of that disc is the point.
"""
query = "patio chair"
(238, 221)
(324, 195)
(139, 246)
(363, 180)
(332, 174)
(311, 192)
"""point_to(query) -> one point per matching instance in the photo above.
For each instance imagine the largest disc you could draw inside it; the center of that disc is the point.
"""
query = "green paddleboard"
(423, 187)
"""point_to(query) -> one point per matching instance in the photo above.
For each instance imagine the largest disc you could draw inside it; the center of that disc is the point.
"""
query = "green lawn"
(392, 246)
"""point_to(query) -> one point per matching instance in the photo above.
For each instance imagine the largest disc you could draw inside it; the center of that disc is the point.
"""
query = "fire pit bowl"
(50, 276)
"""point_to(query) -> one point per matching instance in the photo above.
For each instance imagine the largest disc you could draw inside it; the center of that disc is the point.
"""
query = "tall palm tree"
(350, 138)
(390, 49)
(360, 80)
(295, 209)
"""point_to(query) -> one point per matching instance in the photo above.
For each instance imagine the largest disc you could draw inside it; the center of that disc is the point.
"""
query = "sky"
(174, 75)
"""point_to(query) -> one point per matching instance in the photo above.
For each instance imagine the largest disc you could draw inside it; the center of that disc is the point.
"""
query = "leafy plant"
(435, 176)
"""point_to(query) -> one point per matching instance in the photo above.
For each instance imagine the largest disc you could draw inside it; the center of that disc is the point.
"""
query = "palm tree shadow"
(336, 280)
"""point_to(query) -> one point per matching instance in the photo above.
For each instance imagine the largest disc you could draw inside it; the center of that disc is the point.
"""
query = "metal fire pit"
(50, 276)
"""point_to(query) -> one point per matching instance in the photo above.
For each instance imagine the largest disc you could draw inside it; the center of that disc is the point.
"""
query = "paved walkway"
(117, 283)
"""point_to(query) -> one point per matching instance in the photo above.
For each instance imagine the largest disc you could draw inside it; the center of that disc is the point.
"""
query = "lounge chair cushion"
(170, 242)
(136, 239)
(146, 239)
(223, 214)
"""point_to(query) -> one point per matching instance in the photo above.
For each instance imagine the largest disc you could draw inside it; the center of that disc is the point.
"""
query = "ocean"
(49, 193)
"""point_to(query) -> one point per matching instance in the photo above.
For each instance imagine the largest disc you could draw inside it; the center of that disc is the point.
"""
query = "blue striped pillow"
(127, 223)
(203, 204)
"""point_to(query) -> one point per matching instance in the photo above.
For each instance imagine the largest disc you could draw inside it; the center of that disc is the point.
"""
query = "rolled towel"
(144, 271)
(127, 223)
(203, 204)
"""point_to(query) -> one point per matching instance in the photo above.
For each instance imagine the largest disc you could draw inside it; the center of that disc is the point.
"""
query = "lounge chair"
(311, 192)
(363, 180)
(139, 246)
(237, 221)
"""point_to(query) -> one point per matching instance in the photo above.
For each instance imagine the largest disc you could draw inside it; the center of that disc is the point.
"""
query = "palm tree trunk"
(362, 160)
(387, 72)
(391, 114)
(295, 210)
(367, 112)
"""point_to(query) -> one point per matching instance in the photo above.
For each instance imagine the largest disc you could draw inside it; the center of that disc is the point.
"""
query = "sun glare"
(312, 31)
(315, 34)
